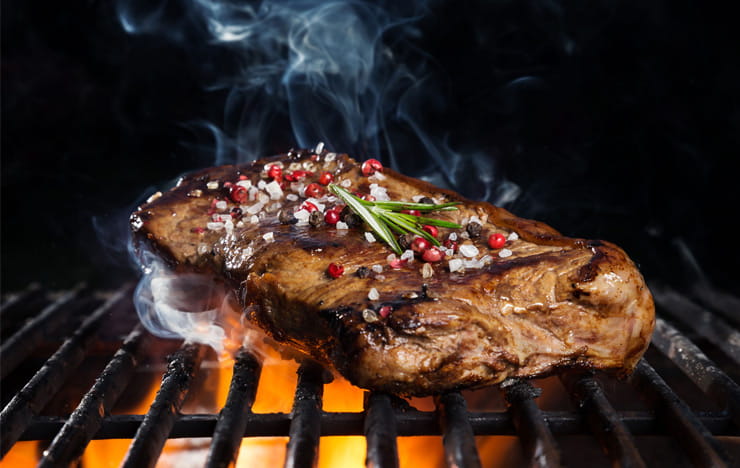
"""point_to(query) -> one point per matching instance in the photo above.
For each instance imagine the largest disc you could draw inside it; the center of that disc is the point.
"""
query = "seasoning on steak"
(541, 302)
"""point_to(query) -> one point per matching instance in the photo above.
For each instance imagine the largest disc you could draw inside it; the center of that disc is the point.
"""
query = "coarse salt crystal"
(407, 255)
(221, 205)
(417, 198)
(513, 236)
(468, 250)
(390, 258)
(268, 236)
(256, 208)
(261, 184)
(377, 176)
(212, 185)
(369, 237)
(455, 265)
(215, 226)
(373, 294)
(503, 253)
(302, 215)
(253, 191)
(330, 157)
(319, 147)
(240, 224)
(254, 219)
(202, 248)
(377, 268)
(263, 197)
(486, 259)
(246, 183)
(346, 183)
(342, 225)
(291, 197)
(273, 188)
(452, 236)
(380, 193)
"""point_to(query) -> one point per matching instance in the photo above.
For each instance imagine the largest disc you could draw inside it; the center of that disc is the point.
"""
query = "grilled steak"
(539, 303)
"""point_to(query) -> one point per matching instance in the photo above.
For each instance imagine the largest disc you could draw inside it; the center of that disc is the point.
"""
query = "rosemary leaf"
(383, 217)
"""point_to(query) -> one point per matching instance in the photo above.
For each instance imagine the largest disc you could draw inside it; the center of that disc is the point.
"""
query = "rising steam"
(347, 73)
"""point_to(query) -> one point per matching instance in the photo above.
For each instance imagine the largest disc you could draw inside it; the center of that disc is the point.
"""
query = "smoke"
(349, 74)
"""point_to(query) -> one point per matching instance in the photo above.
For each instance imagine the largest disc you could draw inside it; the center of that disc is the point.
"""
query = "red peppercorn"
(314, 190)
(242, 177)
(326, 178)
(432, 254)
(385, 311)
(371, 166)
(198, 230)
(496, 241)
(368, 197)
(451, 244)
(335, 270)
(238, 193)
(331, 217)
(275, 172)
(397, 263)
(432, 230)
(419, 245)
(308, 206)
(412, 212)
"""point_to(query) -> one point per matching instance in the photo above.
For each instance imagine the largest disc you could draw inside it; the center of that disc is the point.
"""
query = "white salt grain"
(221, 205)
(273, 188)
(254, 219)
(513, 236)
(342, 225)
(455, 265)
(212, 185)
(503, 253)
(268, 236)
(373, 294)
(377, 268)
(291, 197)
(369, 237)
(452, 236)
(215, 226)
(468, 250)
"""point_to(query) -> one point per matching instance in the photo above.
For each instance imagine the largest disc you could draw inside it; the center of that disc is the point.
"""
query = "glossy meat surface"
(541, 303)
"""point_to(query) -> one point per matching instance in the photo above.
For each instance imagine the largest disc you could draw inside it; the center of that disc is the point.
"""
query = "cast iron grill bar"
(705, 323)
(538, 442)
(32, 398)
(305, 424)
(411, 423)
(702, 447)
(380, 431)
(232, 420)
(82, 424)
(157, 424)
(23, 301)
(19, 345)
(603, 419)
(698, 367)
(457, 433)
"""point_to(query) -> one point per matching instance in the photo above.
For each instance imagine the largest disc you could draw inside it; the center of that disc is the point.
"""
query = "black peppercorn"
(473, 230)
(363, 272)
(350, 218)
(405, 240)
(427, 200)
(316, 218)
(286, 217)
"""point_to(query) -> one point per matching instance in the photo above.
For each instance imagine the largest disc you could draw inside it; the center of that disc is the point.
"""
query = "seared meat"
(539, 303)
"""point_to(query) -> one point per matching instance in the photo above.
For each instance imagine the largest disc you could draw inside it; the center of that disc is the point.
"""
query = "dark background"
(625, 128)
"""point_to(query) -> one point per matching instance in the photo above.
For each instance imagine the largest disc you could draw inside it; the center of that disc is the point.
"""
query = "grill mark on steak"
(555, 302)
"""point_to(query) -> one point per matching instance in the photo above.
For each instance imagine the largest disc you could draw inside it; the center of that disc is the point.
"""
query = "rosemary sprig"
(384, 217)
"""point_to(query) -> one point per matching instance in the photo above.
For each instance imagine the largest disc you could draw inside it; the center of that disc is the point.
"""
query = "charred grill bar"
(31, 318)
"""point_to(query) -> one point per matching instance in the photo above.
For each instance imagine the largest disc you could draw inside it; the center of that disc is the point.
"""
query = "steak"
(540, 303)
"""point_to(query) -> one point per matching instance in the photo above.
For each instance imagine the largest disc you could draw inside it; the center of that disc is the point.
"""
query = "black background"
(626, 131)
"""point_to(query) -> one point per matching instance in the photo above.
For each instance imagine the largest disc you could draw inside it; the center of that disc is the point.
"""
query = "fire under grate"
(686, 385)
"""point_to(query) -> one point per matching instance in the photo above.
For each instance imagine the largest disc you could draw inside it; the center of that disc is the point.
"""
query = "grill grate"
(708, 437)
